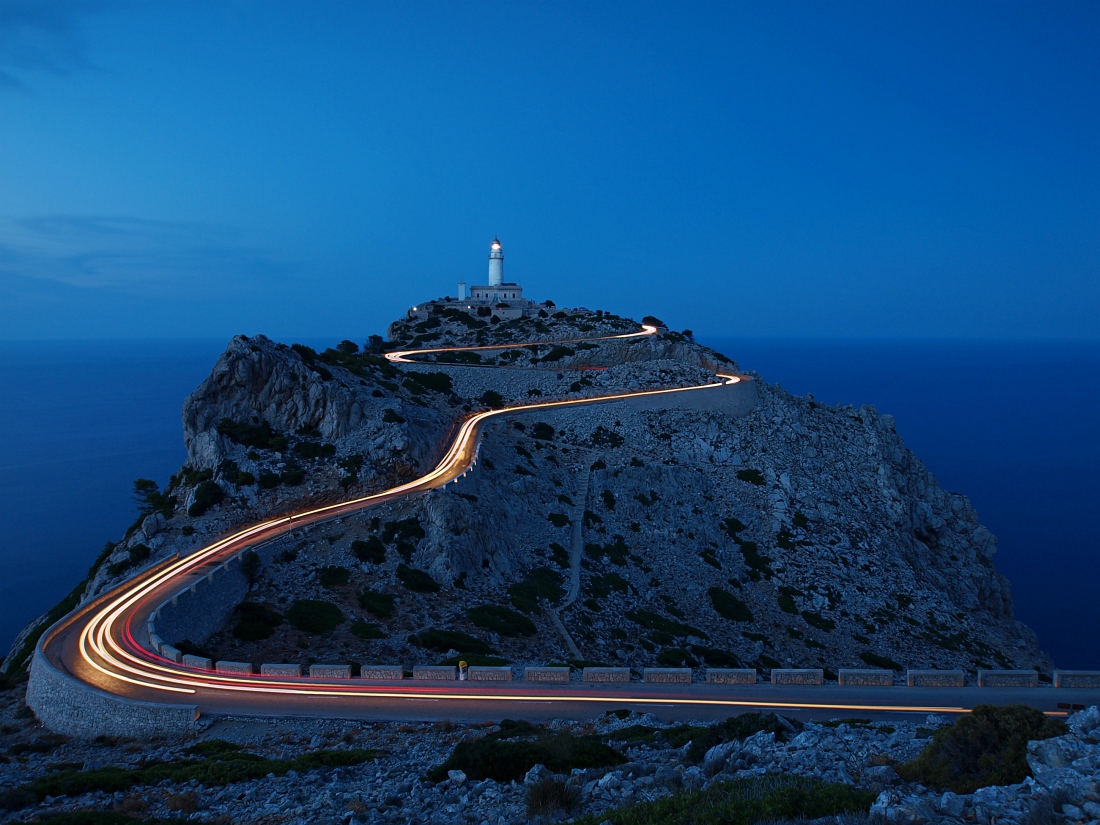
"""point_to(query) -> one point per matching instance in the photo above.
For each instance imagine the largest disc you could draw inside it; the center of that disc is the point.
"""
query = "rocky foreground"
(652, 761)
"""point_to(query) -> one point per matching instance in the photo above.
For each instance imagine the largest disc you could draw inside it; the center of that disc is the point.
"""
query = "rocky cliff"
(769, 530)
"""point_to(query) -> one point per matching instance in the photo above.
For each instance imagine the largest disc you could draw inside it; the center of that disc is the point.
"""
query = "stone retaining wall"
(292, 671)
(935, 678)
(798, 676)
(67, 706)
(546, 674)
(1008, 678)
(606, 674)
(388, 672)
(1077, 678)
(205, 607)
(437, 672)
(484, 673)
(200, 662)
(330, 671)
(865, 677)
(667, 674)
(731, 676)
(238, 668)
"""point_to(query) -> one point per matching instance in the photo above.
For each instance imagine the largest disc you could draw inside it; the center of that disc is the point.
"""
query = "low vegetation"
(743, 802)
(442, 641)
(333, 576)
(517, 747)
(256, 621)
(372, 550)
(550, 795)
(212, 763)
(987, 746)
(416, 580)
(314, 616)
(729, 606)
(377, 604)
(502, 620)
(540, 583)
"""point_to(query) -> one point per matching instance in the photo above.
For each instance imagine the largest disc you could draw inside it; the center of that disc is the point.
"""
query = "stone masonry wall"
(67, 706)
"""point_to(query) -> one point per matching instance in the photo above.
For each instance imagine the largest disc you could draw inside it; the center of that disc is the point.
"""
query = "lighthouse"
(496, 264)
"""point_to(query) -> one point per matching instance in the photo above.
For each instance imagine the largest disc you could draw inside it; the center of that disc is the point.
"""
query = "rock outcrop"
(761, 530)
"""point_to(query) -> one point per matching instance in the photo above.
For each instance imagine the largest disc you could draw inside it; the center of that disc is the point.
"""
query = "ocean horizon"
(1010, 424)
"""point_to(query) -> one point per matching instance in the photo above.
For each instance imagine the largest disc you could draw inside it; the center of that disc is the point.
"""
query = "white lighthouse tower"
(496, 264)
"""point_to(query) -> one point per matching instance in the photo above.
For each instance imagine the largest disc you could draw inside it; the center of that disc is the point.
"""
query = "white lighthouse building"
(498, 298)
(497, 292)
(496, 263)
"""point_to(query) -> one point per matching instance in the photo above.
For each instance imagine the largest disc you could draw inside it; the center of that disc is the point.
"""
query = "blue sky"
(763, 169)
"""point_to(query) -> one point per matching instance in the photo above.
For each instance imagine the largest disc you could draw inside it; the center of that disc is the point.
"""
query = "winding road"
(98, 644)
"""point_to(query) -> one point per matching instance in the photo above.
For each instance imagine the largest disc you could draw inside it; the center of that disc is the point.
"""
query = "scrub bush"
(313, 616)
(987, 746)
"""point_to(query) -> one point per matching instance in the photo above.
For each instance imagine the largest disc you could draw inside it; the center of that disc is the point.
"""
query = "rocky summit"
(763, 530)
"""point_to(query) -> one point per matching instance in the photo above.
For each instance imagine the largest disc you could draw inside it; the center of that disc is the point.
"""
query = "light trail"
(106, 641)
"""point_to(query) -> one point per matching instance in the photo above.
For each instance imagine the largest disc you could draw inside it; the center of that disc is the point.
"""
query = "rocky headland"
(784, 532)
(764, 530)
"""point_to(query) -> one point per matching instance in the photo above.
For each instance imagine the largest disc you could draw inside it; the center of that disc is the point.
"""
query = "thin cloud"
(39, 37)
(134, 255)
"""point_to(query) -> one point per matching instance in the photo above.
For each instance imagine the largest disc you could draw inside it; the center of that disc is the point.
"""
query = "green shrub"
(314, 616)
(408, 529)
(207, 494)
(716, 657)
(434, 381)
(268, 480)
(372, 550)
(417, 580)
(333, 576)
(443, 640)
(654, 621)
(221, 766)
(474, 660)
(987, 746)
(314, 449)
(874, 660)
(675, 657)
(759, 565)
(773, 798)
(492, 399)
(540, 583)
(139, 553)
(512, 751)
(736, 727)
(367, 630)
(260, 436)
(377, 604)
(818, 621)
(751, 476)
(557, 353)
(729, 606)
(292, 475)
(551, 794)
(251, 565)
(558, 519)
(257, 621)
(603, 437)
(392, 417)
(542, 431)
(502, 620)
(559, 555)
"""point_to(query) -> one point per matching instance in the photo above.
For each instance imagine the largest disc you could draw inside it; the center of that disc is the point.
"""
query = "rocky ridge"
(796, 534)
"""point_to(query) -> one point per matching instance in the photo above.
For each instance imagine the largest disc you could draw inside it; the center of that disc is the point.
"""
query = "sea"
(1012, 424)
